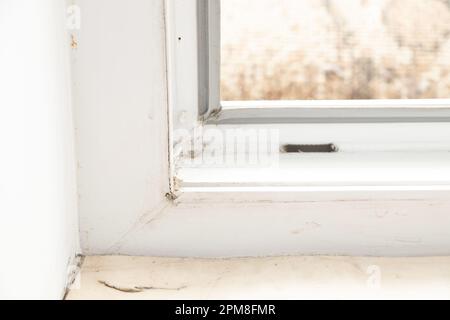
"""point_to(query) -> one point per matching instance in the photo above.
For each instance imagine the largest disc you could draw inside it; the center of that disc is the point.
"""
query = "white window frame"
(193, 61)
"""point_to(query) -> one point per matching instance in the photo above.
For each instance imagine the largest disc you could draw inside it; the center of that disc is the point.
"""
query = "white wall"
(38, 211)
(121, 117)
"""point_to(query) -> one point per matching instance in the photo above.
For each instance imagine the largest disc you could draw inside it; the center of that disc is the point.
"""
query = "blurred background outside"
(335, 49)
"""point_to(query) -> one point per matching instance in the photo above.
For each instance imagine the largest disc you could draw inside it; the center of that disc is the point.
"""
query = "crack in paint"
(144, 220)
(137, 289)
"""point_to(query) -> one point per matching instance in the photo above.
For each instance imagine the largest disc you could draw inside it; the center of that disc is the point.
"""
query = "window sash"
(327, 111)
(193, 63)
(300, 111)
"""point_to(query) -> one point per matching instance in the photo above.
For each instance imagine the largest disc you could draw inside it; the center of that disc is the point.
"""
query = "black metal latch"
(309, 148)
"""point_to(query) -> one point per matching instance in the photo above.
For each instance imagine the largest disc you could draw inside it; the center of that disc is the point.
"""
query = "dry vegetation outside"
(335, 49)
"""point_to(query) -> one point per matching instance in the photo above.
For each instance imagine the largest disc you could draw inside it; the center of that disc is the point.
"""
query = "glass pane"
(335, 49)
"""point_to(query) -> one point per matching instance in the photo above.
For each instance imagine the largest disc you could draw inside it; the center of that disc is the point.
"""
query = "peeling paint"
(171, 196)
(177, 183)
(74, 272)
(73, 42)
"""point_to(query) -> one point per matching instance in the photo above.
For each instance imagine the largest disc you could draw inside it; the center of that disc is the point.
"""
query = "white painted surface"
(305, 225)
(38, 210)
(144, 278)
(342, 169)
(121, 115)
(183, 62)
